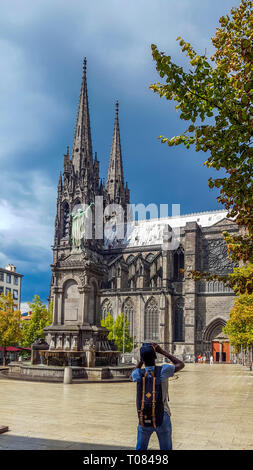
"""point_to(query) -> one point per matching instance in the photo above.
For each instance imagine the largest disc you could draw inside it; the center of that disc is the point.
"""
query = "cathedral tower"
(117, 190)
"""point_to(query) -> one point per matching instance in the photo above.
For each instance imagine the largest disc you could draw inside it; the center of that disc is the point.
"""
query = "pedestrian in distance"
(152, 396)
(211, 360)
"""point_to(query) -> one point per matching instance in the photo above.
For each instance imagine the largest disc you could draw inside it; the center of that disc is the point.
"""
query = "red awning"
(14, 349)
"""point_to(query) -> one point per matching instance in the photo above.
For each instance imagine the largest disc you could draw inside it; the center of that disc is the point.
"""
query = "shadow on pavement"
(12, 442)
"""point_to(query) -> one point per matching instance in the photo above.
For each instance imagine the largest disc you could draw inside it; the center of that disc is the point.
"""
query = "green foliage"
(10, 322)
(217, 98)
(239, 327)
(119, 331)
(40, 318)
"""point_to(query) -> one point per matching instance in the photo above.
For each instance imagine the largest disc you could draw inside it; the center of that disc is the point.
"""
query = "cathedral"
(136, 273)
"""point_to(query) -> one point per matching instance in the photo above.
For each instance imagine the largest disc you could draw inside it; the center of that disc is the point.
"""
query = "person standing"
(147, 358)
(211, 360)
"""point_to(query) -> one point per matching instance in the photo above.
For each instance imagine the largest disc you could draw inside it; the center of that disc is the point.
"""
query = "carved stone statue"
(39, 344)
(52, 343)
(67, 342)
(59, 342)
(79, 220)
(74, 343)
(90, 353)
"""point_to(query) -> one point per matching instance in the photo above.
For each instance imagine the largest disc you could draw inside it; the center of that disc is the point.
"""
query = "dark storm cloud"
(42, 45)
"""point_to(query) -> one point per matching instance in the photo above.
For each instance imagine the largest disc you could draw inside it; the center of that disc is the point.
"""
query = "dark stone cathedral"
(135, 274)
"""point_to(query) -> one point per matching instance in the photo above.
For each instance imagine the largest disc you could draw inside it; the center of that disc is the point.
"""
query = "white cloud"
(26, 224)
(38, 39)
(24, 307)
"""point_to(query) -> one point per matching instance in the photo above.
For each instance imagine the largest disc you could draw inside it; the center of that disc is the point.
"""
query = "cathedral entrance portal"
(215, 342)
(221, 349)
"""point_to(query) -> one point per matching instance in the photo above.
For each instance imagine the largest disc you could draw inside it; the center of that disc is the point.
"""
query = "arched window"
(130, 259)
(151, 321)
(178, 263)
(179, 320)
(65, 231)
(106, 307)
(128, 309)
(150, 257)
(210, 286)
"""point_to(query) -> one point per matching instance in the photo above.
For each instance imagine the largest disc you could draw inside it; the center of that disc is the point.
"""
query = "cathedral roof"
(150, 232)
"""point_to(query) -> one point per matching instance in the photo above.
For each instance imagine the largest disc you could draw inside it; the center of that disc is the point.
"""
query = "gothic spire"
(82, 145)
(115, 178)
(60, 184)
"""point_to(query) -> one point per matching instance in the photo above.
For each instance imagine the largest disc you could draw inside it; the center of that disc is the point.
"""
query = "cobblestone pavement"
(212, 408)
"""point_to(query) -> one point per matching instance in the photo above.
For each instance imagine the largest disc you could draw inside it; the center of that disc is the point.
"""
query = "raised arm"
(177, 363)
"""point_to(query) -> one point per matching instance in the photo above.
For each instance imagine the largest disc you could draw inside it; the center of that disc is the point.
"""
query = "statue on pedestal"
(90, 350)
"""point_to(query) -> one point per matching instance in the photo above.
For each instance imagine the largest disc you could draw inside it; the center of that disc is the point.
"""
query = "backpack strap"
(153, 402)
(143, 397)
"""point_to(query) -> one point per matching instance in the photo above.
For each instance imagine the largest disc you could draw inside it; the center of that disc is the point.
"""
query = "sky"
(42, 46)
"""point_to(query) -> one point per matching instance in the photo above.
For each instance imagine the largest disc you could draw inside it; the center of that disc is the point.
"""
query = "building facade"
(138, 273)
(10, 281)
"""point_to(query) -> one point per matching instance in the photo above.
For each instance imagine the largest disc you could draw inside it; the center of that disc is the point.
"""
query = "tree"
(239, 327)
(219, 95)
(218, 100)
(119, 331)
(10, 323)
(40, 318)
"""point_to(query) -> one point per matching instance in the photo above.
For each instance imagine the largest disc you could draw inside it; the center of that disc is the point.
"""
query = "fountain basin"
(44, 373)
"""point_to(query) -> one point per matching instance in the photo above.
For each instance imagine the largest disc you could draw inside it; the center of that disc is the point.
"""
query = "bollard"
(67, 375)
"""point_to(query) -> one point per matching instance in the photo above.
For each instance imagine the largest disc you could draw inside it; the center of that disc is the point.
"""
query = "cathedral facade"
(138, 273)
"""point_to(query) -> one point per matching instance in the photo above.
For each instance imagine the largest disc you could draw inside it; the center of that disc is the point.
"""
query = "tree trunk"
(4, 356)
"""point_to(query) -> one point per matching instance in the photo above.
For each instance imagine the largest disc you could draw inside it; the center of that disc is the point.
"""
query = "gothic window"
(179, 321)
(151, 321)
(106, 308)
(216, 286)
(65, 220)
(218, 261)
(178, 263)
(130, 259)
(210, 286)
(128, 309)
(150, 258)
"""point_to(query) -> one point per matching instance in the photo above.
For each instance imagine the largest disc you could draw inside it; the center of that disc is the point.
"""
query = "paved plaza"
(212, 408)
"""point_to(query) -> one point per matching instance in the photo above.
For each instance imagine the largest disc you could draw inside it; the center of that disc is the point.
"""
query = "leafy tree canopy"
(239, 327)
(10, 322)
(119, 331)
(40, 318)
(216, 95)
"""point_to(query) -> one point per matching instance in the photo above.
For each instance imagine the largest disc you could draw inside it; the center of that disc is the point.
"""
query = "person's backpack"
(149, 398)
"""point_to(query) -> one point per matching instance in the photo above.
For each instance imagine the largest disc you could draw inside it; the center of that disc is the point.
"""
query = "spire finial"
(84, 66)
(117, 109)
(82, 145)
